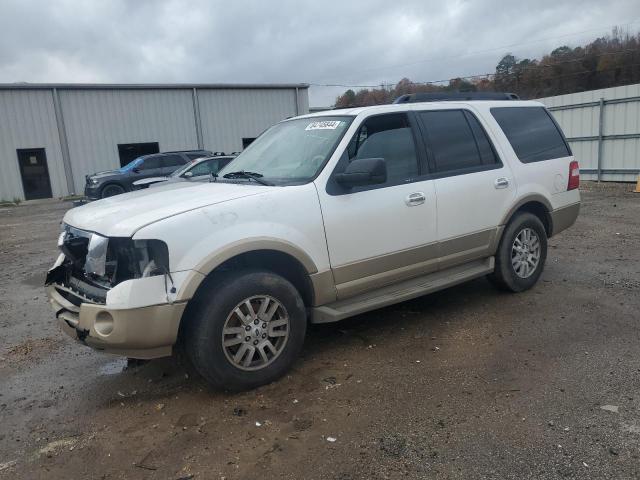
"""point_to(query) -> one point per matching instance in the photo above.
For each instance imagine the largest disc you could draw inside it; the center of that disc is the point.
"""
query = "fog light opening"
(104, 323)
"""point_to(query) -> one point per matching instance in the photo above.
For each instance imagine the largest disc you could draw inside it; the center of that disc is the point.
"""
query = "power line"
(553, 78)
(516, 73)
(480, 75)
(493, 49)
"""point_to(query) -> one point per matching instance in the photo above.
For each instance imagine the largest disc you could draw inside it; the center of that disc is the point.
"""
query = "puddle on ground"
(114, 367)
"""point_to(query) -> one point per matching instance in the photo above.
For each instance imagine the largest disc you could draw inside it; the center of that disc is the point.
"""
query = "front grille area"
(77, 301)
(75, 293)
(69, 278)
(73, 289)
(90, 292)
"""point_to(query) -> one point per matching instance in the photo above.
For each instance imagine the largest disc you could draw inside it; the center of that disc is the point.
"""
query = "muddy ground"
(466, 383)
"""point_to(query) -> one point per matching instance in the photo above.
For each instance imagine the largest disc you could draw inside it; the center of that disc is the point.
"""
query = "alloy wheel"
(525, 252)
(255, 332)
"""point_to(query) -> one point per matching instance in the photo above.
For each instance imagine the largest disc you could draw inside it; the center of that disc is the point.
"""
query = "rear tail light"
(574, 176)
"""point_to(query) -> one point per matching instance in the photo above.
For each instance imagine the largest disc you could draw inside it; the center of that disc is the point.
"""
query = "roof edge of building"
(150, 86)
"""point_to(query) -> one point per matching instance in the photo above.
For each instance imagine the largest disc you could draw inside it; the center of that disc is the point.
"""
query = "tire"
(514, 269)
(216, 311)
(111, 189)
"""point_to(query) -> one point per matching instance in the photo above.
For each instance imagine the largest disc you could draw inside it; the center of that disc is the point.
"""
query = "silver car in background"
(199, 170)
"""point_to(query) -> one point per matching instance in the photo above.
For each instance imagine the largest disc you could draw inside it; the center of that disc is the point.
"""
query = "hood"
(170, 180)
(148, 180)
(123, 215)
(106, 173)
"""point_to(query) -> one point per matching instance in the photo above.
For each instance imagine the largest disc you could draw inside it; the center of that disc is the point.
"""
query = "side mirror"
(363, 171)
(135, 170)
(188, 174)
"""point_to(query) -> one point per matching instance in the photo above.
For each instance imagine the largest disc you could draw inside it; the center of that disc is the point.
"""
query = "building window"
(131, 151)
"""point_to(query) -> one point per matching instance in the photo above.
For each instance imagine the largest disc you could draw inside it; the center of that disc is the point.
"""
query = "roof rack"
(198, 150)
(454, 96)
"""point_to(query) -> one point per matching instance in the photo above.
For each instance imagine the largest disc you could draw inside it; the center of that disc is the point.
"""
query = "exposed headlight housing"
(114, 260)
(108, 261)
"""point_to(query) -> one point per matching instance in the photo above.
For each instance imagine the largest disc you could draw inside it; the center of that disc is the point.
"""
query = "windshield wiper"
(249, 175)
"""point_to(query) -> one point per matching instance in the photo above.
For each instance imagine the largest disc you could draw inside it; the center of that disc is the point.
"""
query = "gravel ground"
(465, 383)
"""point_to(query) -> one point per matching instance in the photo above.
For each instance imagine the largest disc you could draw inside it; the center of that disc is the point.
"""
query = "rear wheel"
(246, 330)
(521, 254)
(112, 189)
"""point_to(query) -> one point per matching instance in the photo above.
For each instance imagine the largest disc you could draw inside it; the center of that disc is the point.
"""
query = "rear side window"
(456, 141)
(173, 160)
(150, 163)
(532, 133)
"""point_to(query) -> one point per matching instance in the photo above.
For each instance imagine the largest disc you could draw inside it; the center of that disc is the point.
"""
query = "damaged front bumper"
(143, 332)
(116, 294)
(137, 318)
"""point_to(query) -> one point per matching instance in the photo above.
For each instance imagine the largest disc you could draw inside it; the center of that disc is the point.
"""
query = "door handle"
(413, 199)
(501, 182)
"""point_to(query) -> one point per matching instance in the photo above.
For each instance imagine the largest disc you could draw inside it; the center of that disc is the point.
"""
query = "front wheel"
(521, 254)
(246, 329)
(112, 189)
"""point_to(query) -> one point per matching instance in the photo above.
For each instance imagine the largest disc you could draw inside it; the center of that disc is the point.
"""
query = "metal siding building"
(80, 127)
(253, 111)
(603, 129)
(28, 121)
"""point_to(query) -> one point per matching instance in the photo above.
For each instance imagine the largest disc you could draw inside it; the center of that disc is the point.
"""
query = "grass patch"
(71, 198)
(10, 203)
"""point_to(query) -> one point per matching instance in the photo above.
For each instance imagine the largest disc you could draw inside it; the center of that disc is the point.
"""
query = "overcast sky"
(354, 42)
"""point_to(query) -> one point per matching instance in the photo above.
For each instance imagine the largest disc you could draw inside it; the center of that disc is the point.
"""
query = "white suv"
(323, 217)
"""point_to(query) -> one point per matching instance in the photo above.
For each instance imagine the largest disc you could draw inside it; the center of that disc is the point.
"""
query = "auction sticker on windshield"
(324, 125)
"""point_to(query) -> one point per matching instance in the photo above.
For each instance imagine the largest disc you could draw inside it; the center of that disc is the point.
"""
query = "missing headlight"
(103, 262)
(153, 257)
(115, 260)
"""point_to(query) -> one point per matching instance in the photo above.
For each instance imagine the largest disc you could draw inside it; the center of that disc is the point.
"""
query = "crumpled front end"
(115, 294)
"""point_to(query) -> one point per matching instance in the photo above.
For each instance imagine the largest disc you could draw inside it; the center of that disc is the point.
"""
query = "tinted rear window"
(532, 133)
(151, 162)
(173, 160)
(457, 140)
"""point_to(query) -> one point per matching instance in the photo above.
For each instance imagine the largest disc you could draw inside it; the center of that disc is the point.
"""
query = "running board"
(400, 292)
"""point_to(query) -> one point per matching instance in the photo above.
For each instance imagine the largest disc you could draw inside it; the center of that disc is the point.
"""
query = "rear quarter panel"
(548, 178)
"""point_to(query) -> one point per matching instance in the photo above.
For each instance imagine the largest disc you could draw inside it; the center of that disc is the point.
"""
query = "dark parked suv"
(114, 182)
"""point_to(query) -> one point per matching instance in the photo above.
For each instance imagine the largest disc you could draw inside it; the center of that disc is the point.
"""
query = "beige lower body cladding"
(563, 218)
(145, 332)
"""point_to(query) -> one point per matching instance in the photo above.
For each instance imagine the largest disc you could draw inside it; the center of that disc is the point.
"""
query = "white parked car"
(323, 217)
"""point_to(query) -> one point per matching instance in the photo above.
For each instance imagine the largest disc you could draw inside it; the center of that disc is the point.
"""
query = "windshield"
(131, 165)
(183, 169)
(293, 151)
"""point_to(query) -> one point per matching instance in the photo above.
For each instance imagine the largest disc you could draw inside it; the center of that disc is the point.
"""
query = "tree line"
(609, 61)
